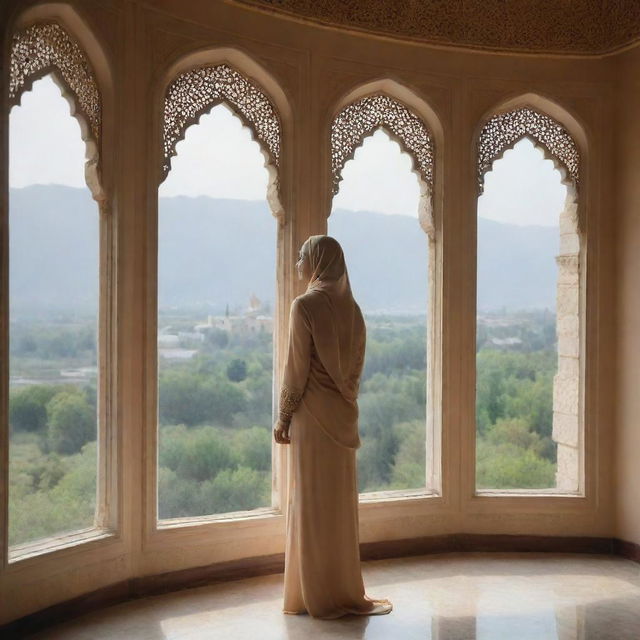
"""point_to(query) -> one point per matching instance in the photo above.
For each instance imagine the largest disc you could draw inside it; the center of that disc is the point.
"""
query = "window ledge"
(526, 493)
(255, 515)
(27, 550)
(396, 495)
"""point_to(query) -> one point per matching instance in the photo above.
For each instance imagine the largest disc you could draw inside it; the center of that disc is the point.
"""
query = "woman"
(318, 417)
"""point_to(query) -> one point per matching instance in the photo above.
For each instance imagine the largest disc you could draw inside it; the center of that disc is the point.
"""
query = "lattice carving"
(503, 130)
(560, 26)
(362, 117)
(196, 91)
(46, 47)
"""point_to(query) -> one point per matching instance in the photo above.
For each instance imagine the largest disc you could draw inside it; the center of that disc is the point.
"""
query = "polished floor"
(454, 596)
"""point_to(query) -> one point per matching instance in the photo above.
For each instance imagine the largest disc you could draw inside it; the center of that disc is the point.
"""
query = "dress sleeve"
(358, 358)
(296, 370)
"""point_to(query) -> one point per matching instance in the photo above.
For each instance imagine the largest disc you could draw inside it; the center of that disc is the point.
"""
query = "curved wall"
(316, 68)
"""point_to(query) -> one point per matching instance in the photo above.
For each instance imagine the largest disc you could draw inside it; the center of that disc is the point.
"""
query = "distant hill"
(217, 252)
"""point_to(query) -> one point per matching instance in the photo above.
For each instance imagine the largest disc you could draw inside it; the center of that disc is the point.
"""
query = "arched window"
(55, 293)
(382, 160)
(528, 388)
(216, 295)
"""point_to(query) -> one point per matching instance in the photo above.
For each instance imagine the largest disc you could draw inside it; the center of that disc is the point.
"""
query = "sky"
(218, 158)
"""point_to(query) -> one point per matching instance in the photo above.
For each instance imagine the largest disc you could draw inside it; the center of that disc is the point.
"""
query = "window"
(391, 269)
(216, 297)
(54, 272)
(528, 306)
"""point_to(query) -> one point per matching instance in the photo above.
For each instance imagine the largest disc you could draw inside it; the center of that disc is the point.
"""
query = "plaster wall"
(627, 445)
(315, 68)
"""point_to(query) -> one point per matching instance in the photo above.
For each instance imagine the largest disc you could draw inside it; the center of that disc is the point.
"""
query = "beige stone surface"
(566, 429)
(568, 468)
(442, 597)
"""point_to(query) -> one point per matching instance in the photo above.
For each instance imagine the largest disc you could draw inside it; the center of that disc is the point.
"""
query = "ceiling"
(579, 27)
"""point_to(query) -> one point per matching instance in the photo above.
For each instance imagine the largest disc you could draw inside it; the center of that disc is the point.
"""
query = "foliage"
(191, 399)
(215, 413)
(237, 370)
(72, 422)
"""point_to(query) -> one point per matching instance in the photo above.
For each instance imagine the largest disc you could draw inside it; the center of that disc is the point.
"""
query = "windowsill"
(265, 514)
(528, 493)
(396, 495)
(73, 540)
(528, 501)
(255, 515)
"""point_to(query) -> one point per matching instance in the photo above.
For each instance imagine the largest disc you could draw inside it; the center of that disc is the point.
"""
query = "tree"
(186, 398)
(235, 490)
(27, 407)
(72, 422)
(237, 370)
(26, 413)
(205, 454)
(254, 448)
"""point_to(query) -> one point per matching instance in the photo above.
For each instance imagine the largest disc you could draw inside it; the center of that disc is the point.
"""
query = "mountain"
(218, 252)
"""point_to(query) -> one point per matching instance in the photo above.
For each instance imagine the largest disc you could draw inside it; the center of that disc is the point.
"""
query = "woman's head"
(321, 259)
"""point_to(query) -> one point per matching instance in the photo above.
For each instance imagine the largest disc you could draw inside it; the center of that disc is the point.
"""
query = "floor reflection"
(439, 597)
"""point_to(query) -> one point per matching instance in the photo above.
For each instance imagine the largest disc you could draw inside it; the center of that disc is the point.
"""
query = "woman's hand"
(281, 432)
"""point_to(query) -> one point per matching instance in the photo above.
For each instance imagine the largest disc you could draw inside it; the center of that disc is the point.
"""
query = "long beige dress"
(324, 363)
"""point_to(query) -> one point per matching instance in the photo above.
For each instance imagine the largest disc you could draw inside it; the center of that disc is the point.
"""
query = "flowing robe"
(322, 561)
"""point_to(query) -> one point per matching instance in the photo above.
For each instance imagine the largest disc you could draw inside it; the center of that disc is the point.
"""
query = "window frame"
(157, 532)
(98, 169)
(430, 221)
(551, 500)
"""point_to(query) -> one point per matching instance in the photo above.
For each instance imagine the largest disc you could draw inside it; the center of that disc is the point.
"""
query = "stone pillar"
(566, 384)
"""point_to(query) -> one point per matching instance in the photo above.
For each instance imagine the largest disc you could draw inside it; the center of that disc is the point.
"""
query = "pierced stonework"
(503, 130)
(572, 26)
(358, 120)
(46, 47)
(196, 91)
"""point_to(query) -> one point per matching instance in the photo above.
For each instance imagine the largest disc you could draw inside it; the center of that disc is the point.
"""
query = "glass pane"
(375, 218)
(54, 270)
(216, 300)
(518, 241)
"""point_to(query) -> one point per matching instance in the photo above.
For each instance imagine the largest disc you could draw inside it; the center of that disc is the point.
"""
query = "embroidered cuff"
(289, 401)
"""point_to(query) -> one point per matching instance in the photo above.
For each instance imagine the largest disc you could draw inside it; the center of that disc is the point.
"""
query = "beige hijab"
(338, 326)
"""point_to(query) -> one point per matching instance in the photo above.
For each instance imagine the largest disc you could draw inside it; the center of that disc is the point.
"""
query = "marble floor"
(453, 596)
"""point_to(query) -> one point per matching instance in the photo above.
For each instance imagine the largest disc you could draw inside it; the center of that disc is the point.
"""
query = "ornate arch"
(196, 91)
(47, 47)
(361, 118)
(502, 131)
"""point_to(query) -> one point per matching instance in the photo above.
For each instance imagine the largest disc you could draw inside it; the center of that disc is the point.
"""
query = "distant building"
(253, 320)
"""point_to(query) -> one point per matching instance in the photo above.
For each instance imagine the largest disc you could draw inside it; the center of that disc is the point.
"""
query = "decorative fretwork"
(503, 130)
(566, 26)
(47, 47)
(361, 118)
(196, 91)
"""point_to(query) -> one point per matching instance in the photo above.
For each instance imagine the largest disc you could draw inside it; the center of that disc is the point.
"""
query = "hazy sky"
(219, 159)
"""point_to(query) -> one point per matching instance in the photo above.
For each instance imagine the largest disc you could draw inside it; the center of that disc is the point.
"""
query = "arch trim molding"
(47, 47)
(503, 130)
(361, 118)
(195, 91)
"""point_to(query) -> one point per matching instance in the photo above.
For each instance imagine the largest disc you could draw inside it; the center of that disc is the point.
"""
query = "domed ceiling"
(582, 27)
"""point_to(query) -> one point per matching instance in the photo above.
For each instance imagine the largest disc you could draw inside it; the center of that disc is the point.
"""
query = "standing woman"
(319, 418)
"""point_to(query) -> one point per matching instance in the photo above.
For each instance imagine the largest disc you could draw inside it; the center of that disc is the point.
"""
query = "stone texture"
(567, 300)
(566, 398)
(566, 429)
(452, 596)
(568, 470)
(569, 243)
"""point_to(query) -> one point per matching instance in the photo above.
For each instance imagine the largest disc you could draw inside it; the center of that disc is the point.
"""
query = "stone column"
(566, 384)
